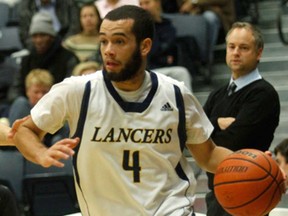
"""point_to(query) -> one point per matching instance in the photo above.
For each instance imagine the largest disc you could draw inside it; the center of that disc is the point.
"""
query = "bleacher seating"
(11, 171)
(49, 191)
(10, 40)
(197, 27)
(4, 14)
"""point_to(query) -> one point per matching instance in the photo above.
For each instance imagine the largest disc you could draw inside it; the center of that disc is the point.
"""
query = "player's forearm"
(217, 156)
(4, 141)
(29, 144)
(208, 155)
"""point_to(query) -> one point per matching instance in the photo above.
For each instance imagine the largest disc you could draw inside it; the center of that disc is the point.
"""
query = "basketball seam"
(268, 172)
(243, 159)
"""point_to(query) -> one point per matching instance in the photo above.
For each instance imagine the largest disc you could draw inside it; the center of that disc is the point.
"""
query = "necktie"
(231, 88)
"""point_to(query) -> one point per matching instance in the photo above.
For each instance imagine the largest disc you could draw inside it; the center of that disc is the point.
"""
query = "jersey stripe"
(182, 119)
(80, 126)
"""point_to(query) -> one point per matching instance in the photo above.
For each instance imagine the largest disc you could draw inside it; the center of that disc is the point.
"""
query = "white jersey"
(130, 158)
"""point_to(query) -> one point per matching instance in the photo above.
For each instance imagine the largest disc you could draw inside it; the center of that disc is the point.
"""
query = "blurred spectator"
(248, 8)
(85, 44)
(281, 156)
(64, 13)
(37, 83)
(80, 3)
(171, 6)
(104, 6)
(163, 55)
(7, 72)
(85, 68)
(220, 15)
(46, 53)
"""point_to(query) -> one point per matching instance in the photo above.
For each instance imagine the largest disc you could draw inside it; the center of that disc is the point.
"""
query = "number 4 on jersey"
(135, 167)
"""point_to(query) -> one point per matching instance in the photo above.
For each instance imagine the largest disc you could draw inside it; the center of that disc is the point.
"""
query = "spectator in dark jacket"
(164, 50)
(46, 53)
(64, 13)
(7, 71)
(163, 55)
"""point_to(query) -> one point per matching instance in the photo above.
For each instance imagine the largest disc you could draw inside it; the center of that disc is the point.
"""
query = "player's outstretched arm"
(27, 139)
(208, 155)
(7, 133)
(4, 139)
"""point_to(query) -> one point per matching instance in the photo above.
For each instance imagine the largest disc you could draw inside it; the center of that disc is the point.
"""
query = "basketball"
(248, 183)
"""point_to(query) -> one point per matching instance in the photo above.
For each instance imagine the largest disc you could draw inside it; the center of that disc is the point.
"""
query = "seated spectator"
(220, 15)
(7, 71)
(281, 154)
(170, 6)
(64, 13)
(104, 6)
(80, 3)
(163, 55)
(37, 83)
(86, 68)
(46, 53)
(85, 44)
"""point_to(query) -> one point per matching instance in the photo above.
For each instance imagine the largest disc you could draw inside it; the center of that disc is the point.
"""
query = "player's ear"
(145, 46)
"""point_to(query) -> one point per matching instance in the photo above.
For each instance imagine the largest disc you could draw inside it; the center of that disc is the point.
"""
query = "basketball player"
(131, 127)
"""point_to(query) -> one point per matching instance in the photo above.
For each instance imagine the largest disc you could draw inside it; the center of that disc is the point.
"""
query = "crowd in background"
(61, 34)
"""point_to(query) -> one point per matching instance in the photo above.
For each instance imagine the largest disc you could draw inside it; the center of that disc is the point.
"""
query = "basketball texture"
(248, 183)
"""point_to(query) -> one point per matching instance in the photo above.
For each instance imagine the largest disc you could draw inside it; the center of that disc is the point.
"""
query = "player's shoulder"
(74, 84)
(164, 79)
(85, 78)
(166, 82)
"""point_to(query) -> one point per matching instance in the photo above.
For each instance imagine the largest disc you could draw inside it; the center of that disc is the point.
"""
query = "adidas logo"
(166, 107)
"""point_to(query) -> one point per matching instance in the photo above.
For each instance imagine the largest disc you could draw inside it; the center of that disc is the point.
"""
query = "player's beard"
(130, 69)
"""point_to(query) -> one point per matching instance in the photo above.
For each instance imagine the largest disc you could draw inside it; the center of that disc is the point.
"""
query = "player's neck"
(133, 84)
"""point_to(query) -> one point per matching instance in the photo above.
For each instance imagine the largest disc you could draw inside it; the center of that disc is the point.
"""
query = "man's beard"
(130, 69)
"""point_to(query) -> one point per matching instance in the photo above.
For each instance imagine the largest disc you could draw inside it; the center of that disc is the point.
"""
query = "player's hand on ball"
(268, 153)
(62, 149)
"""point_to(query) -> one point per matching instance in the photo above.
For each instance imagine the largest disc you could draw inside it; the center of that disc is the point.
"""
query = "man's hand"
(225, 122)
(189, 8)
(62, 149)
(186, 7)
(15, 126)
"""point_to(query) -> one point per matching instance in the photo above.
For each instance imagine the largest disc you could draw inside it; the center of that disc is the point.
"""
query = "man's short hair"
(143, 26)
